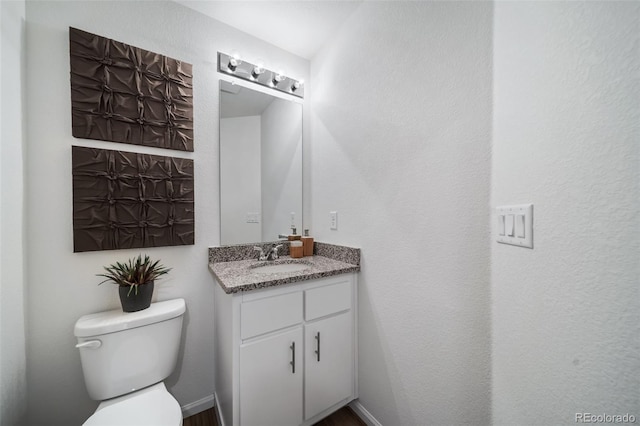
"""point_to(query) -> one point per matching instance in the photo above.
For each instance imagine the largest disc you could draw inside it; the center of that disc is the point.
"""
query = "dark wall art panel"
(127, 200)
(121, 93)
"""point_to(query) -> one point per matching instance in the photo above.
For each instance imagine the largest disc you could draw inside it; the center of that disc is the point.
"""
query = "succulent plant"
(133, 273)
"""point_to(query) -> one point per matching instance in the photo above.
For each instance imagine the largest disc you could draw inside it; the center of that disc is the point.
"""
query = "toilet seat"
(152, 406)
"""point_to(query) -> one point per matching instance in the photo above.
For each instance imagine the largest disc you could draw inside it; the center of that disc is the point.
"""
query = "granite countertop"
(238, 275)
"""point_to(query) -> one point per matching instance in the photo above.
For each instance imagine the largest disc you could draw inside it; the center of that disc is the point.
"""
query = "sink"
(280, 267)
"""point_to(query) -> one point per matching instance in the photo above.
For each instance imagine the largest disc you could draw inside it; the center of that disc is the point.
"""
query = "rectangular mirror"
(260, 165)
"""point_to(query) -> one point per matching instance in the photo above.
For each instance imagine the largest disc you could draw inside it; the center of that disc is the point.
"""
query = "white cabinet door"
(328, 363)
(271, 380)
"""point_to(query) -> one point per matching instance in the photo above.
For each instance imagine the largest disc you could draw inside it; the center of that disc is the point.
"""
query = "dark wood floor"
(343, 417)
(204, 418)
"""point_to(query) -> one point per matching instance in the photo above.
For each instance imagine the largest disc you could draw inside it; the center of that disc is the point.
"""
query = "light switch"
(509, 225)
(515, 225)
(520, 226)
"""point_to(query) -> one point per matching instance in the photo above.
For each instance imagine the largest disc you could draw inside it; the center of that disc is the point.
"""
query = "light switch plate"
(333, 220)
(518, 221)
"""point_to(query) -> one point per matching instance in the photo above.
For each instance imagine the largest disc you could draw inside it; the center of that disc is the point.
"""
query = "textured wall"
(401, 117)
(62, 285)
(13, 377)
(566, 315)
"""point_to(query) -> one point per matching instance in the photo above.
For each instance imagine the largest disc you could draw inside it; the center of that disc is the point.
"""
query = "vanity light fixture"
(257, 73)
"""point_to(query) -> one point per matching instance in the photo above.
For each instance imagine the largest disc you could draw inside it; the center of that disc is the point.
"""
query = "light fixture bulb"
(234, 61)
(277, 78)
(296, 85)
(257, 70)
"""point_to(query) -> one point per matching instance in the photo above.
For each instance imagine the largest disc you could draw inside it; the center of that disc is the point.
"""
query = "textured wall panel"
(566, 133)
(423, 292)
(128, 200)
(121, 93)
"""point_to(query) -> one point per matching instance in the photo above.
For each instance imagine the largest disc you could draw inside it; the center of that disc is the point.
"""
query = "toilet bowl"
(125, 358)
(152, 406)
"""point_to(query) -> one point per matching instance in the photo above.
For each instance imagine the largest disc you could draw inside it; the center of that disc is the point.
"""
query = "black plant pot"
(136, 302)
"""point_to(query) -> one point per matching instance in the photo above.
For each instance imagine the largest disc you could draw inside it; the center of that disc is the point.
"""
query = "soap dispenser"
(293, 236)
(295, 249)
(307, 243)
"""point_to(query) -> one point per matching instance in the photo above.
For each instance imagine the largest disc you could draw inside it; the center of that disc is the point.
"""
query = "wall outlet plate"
(515, 225)
(333, 220)
(253, 217)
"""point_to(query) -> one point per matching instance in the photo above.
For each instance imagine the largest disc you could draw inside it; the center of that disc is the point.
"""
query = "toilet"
(125, 358)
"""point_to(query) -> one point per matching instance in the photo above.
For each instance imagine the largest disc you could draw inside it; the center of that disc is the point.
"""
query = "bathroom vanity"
(286, 342)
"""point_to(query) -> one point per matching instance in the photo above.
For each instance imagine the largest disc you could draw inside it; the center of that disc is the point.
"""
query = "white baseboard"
(197, 406)
(218, 414)
(364, 414)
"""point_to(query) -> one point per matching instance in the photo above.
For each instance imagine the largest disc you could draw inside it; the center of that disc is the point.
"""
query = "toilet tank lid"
(117, 320)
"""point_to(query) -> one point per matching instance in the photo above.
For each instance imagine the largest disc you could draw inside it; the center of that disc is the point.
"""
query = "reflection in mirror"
(260, 165)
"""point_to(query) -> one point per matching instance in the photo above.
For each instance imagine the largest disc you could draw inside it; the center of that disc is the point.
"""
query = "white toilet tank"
(122, 352)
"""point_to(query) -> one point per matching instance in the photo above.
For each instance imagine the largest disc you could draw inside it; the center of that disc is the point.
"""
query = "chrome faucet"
(271, 254)
(261, 255)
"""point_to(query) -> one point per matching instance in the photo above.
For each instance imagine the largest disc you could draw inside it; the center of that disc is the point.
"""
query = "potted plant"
(135, 280)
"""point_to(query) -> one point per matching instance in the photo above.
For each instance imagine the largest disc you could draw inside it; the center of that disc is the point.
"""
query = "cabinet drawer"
(327, 300)
(270, 314)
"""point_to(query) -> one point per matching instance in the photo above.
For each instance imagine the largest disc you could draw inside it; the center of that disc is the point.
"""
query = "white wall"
(566, 315)
(240, 177)
(62, 285)
(281, 168)
(13, 378)
(401, 120)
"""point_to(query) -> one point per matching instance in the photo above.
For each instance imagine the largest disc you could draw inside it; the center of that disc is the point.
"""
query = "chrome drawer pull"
(293, 357)
(318, 350)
